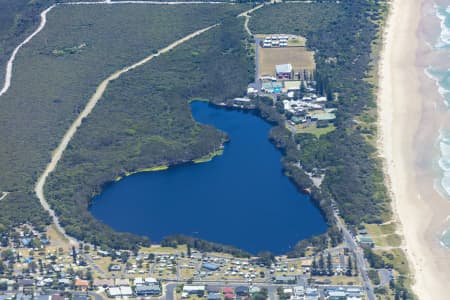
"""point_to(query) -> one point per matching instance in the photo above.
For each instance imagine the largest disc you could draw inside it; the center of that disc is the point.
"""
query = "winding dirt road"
(58, 152)
(4, 194)
(247, 16)
(9, 65)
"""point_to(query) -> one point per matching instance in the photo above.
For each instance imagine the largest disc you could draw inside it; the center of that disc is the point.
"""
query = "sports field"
(298, 57)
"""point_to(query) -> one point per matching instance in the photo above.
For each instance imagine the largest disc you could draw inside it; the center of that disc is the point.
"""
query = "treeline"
(51, 101)
(144, 120)
(342, 45)
(202, 245)
(284, 141)
(17, 19)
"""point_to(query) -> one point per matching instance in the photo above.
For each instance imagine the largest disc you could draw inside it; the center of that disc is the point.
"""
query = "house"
(26, 242)
(228, 293)
(214, 296)
(81, 284)
(213, 289)
(105, 283)
(299, 291)
(126, 291)
(122, 291)
(25, 283)
(252, 91)
(64, 282)
(228, 290)
(139, 281)
(122, 282)
(114, 292)
(210, 267)
(283, 72)
(337, 295)
(241, 291)
(150, 280)
(311, 293)
(194, 290)
(148, 290)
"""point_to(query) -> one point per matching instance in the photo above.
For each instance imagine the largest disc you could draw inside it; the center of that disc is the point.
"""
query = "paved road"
(359, 254)
(257, 81)
(92, 263)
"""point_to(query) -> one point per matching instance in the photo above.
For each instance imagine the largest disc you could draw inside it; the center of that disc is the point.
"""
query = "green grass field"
(316, 131)
(52, 81)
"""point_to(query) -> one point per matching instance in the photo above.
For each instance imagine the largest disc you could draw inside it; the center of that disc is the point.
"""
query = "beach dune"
(408, 128)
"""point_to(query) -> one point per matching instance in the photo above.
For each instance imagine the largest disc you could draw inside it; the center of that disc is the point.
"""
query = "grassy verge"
(317, 132)
(208, 157)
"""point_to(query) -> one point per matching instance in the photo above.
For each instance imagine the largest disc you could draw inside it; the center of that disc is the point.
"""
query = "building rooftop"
(324, 116)
(285, 68)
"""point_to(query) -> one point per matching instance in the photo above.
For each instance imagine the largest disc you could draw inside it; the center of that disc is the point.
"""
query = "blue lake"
(240, 198)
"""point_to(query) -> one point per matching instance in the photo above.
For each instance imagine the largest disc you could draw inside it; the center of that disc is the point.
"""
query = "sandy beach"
(408, 127)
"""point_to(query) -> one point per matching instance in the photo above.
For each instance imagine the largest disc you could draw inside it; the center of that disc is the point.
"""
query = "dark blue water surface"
(240, 198)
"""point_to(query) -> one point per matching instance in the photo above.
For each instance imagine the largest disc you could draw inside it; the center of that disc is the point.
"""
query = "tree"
(189, 254)
(349, 267)
(266, 258)
(32, 267)
(329, 265)
(321, 263)
(74, 254)
(124, 256)
(314, 267)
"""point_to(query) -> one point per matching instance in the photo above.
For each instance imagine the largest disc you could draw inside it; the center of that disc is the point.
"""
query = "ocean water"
(441, 77)
(443, 13)
(241, 198)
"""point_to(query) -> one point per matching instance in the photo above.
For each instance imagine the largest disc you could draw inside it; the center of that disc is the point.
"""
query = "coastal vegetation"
(48, 91)
(144, 120)
(346, 49)
(342, 45)
(17, 19)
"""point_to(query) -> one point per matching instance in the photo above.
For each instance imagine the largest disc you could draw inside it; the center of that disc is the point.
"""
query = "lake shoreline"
(104, 207)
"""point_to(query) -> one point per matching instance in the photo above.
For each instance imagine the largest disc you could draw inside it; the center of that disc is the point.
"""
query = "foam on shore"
(441, 76)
